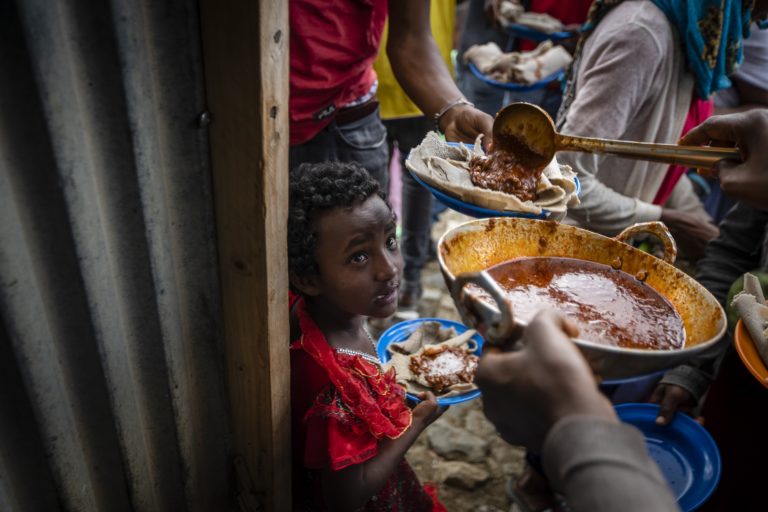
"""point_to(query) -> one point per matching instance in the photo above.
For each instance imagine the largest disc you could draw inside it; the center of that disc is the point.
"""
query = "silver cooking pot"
(467, 250)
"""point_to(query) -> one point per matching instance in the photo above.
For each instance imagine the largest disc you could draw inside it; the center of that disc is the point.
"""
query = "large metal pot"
(477, 245)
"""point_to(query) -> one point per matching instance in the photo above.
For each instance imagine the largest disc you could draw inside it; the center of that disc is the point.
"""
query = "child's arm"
(350, 488)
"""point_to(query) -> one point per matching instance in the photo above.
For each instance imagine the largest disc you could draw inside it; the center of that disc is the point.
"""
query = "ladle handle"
(701, 157)
(500, 325)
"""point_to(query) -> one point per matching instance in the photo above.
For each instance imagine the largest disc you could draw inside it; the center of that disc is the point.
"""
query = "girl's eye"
(392, 243)
(360, 257)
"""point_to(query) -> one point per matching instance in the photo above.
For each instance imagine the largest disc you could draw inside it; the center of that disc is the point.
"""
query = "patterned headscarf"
(711, 32)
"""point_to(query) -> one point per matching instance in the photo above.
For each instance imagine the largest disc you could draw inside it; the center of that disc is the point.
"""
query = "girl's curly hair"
(318, 187)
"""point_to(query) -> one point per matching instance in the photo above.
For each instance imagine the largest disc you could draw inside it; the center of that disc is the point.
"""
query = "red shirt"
(333, 46)
(568, 12)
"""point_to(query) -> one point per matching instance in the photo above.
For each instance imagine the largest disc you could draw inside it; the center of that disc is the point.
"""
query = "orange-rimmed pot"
(470, 248)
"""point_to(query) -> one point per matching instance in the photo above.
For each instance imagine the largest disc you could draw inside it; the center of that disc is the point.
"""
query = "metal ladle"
(528, 132)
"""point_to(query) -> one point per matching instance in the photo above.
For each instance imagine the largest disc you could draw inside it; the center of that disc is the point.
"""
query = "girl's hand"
(427, 410)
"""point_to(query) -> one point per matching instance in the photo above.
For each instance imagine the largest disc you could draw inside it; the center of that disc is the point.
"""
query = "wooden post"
(245, 55)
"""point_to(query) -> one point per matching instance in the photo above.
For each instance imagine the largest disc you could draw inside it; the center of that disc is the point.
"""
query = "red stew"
(609, 306)
(514, 172)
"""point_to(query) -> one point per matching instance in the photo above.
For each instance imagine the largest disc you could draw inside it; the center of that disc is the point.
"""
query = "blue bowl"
(532, 34)
(684, 451)
(517, 87)
(479, 212)
(401, 331)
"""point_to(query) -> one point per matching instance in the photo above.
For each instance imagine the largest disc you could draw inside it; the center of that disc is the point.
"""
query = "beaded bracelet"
(449, 106)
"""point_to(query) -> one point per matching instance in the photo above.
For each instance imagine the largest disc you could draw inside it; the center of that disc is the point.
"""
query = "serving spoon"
(527, 131)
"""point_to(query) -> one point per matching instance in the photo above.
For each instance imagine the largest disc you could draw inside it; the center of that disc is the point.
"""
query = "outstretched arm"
(421, 71)
(737, 250)
(545, 398)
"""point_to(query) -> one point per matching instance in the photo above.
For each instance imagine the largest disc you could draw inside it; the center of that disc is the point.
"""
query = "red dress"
(341, 406)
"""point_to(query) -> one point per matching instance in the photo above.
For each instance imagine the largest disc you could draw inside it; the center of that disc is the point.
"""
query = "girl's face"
(359, 259)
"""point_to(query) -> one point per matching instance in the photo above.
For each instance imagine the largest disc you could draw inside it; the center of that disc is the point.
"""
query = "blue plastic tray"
(685, 452)
(400, 332)
(517, 87)
(524, 32)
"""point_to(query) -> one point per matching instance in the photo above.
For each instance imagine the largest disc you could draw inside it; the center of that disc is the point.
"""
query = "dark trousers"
(362, 141)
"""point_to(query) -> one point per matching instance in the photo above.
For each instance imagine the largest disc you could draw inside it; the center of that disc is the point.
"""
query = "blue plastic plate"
(473, 210)
(524, 32)
(401, 331)
(684, 450)
(478, 211)
(518, 87)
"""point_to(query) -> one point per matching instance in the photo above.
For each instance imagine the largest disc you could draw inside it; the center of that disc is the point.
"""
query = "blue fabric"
(710, 58)
(710, 69)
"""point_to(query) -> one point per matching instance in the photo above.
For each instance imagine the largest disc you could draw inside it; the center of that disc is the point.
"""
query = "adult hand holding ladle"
(528, 132)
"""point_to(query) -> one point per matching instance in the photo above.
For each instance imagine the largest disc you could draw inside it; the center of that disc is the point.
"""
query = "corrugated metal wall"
(111, 378)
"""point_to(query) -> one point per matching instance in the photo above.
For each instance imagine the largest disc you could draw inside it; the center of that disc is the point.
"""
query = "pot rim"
(474, 225)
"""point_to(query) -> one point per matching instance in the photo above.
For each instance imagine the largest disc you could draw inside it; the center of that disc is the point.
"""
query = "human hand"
(427, 411)
(691, 232)
(527, 391)
(464, 123)
(748, 180)
(671, 398)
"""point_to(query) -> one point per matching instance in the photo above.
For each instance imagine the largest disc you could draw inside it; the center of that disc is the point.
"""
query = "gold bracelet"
(449, 106)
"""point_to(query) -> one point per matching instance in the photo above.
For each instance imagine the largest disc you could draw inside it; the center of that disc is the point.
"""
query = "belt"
(352, 114)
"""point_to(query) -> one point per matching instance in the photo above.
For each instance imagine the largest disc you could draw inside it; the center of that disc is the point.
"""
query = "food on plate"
(442, 366)
(751, 306)
(509, 11)
(435, 358)
(450, 169)
(513, 172)
(609, 306)
(518, 67)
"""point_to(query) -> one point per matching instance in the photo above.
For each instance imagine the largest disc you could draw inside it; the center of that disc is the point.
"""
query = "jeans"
(361, 141)
(408, 133)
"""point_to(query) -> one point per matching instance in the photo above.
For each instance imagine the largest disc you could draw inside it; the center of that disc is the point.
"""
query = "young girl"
(351, 425)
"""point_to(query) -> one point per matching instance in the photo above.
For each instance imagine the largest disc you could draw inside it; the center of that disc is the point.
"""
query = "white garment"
(632, 84)
(753, 70)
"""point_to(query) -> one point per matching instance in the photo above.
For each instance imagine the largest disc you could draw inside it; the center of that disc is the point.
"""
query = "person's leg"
(416, 211)
(365, 141)
(321, 148)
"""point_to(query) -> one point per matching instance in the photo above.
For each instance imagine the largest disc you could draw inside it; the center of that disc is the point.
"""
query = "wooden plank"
(245, 55)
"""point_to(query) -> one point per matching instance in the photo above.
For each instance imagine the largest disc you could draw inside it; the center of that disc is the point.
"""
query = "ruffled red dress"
(341, 406)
